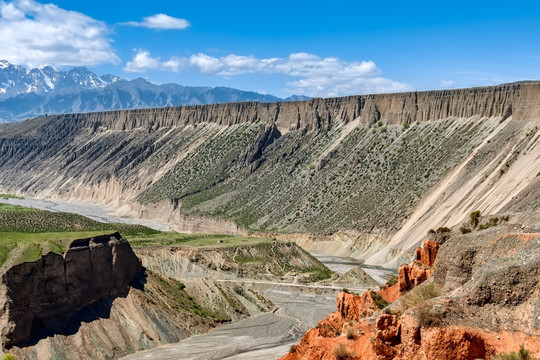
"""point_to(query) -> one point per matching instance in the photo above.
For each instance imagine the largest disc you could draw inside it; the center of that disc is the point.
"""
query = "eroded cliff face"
(519, 100)
(482, 300)
(97, 301)
(43, 295)
(323, 166)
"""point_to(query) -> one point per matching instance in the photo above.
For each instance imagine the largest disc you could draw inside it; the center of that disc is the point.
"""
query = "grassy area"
(27, 233)
(194, 240)
(15, 218)
(30, 247)
(10, 196)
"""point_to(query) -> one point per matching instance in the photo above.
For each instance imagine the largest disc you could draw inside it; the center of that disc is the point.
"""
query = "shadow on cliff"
(98, 310)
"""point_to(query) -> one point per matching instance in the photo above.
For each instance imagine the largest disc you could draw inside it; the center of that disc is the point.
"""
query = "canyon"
(365, 178)
(327, 170)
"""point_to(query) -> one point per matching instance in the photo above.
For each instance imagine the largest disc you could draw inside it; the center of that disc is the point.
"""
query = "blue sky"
(317, 48)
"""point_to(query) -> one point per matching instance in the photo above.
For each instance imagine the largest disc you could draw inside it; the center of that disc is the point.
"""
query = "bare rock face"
(421, 269)
(43, 295)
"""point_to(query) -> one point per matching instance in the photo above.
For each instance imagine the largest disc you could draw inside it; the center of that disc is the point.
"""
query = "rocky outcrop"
(352, 324)
(421, 268)
(142, 319)
(264, 261)
(489, 281)
(356, 278)
(45, 294)
(97, 301)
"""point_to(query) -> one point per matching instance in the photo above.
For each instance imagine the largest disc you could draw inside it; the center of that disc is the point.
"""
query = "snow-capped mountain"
(26, 93)
(15, 80)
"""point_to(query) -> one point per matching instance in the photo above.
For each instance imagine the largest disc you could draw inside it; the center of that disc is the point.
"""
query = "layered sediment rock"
(43, 295)
(519, 100)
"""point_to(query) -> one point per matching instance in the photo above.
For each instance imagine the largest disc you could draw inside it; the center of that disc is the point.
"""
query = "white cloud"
(142, 62)
(36, 34)
(447, 83)
(162, 22)
(315, 76)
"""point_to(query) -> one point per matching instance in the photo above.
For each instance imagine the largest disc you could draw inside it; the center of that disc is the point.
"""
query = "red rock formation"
(380, 342)
(421, 269)
(355, 307)
(405, 337)
(429, 252)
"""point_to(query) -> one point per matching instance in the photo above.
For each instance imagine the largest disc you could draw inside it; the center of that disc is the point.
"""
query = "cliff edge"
(43, 295)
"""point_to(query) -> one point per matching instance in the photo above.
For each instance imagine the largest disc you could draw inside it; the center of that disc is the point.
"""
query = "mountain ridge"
(26, 93)
(334, 167)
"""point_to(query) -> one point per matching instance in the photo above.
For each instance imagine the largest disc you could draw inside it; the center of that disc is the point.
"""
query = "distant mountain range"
(34, 92)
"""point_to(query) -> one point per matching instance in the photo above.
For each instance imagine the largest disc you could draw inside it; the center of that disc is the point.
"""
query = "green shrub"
(475, 218)
(341, 353)
(350, 333)
(427, 317)
(8, 356)
(391, 282)
(379, 301)
(491, 222)
(465, 230)
(522, 354)
(419, 296)
(181, 286)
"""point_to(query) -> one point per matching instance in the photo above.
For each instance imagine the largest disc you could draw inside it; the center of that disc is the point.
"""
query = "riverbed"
(262, 337)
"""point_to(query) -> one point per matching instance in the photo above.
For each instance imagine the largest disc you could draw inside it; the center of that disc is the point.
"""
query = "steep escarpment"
(324, 166)
(45, 294)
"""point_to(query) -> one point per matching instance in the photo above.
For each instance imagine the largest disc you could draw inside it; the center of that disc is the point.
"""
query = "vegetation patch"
(26, 233)
(341, 353)
(391, 282)
(522, 354)
(419, 296)
(319, 181)
(192, 240)
(10, 196)
(379, 301)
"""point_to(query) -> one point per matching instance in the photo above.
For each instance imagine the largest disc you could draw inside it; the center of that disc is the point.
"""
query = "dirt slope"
(381, 169)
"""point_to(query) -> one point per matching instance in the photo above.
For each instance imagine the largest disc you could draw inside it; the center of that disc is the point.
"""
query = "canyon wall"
(519, 100)
(45, 294)
(97, 301)
(367, 175)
